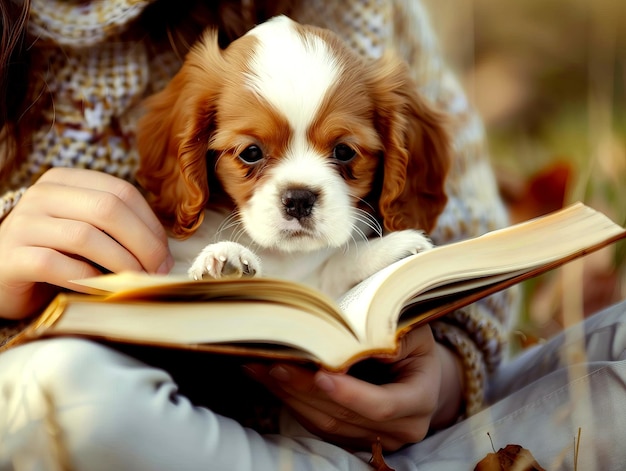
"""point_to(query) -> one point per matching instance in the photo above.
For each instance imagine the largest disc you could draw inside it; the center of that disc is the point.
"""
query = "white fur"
(332, 270)
(331, 249)
(277, 76)
(277, 71)
(225, 258)
(332, 219)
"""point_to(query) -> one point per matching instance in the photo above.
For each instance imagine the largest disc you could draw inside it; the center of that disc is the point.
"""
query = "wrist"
(451, 403)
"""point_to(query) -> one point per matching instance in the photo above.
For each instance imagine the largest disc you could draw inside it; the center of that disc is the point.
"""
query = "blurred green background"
(549, 79)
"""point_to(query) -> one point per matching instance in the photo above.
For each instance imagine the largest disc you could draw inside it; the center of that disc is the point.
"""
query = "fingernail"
(166, 266)
(324, 382)
(280, 373)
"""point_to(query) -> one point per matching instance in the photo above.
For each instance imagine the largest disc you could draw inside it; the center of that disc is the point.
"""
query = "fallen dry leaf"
(509, 458)
(378, 460)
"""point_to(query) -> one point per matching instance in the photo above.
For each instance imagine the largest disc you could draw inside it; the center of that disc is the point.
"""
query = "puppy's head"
(296, 133)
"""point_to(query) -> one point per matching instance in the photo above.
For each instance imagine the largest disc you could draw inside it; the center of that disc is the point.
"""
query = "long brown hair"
(14, 65)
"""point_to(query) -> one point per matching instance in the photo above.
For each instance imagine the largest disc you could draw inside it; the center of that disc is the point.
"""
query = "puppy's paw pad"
(225, 260)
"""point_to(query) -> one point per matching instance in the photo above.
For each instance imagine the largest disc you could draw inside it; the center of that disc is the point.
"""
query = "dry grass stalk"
(61, 456)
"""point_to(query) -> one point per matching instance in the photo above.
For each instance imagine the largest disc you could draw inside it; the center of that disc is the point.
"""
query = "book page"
(138, 286)
(355, 304)
(200, 324)
(127, 281)
(539, 244)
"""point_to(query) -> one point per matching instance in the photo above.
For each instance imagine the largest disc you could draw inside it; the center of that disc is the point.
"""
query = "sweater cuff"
(474, 376)
(9, 200)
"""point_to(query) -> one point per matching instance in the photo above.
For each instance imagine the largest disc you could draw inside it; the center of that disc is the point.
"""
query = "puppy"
(303, 153)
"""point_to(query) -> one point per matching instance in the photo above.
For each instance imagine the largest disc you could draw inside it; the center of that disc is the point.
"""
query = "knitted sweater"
(95, 74)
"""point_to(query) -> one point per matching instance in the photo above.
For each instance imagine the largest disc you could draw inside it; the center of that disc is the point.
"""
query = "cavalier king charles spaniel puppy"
(295, 157)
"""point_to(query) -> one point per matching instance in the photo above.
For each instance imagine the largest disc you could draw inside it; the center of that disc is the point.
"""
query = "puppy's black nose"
(298, 203)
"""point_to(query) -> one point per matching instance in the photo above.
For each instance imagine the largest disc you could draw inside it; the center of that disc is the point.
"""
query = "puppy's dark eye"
(251, 154)
(343, 153)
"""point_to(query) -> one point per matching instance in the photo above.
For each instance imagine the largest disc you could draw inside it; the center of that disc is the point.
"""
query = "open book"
(280, 319)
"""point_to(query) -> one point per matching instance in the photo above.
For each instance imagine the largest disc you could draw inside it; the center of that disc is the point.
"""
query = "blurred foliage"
(549, 79)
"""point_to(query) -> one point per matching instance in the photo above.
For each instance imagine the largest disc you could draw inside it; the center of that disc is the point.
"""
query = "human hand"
(426, 393)
(65, 226)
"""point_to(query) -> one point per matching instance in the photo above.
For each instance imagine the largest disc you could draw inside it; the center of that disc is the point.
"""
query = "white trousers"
(113, 412)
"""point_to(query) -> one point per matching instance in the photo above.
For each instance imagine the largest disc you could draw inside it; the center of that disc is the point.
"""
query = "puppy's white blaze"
(293, 73)
(332, 217)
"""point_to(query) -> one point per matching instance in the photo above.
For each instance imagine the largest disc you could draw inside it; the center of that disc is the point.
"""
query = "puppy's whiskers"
(231, 225)
(239, 234)
(364, 225)
(366, 218)
(233, 229)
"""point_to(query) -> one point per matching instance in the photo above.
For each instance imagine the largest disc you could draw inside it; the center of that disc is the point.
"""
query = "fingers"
(357, 437)
(135, 240)
(69, 225)
(125, 191)
(69, 236)
(413, 390)
(354, 412)
(355, 400)
(377, 403)
(354, 423)
(46, 265)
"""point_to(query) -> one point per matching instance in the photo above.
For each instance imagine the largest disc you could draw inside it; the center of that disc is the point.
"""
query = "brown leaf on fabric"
(58, 445)
(378, 460)
(509, 458)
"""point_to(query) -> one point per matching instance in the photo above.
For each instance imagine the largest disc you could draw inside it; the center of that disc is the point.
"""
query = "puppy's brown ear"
(173, 135)
(416, 149)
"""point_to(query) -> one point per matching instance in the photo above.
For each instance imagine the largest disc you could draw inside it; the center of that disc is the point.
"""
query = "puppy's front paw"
(225, 260)
(408, 242)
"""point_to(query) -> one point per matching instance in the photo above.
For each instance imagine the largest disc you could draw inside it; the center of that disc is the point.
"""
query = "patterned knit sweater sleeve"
(79, 62)
(8, 200)
(478, 332)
